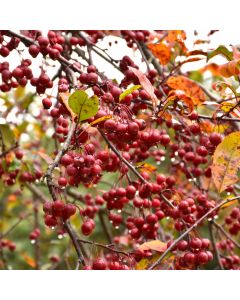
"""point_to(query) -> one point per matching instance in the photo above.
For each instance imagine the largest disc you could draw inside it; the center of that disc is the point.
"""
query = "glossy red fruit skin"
(215, 138)
(19, 154)
(99, 264)
(202, 257)
(47, 103)
(62, 181)
(182, 245)
(189, 258)
(58, 205)
(195, 243)
(50, 221)
(87, 227)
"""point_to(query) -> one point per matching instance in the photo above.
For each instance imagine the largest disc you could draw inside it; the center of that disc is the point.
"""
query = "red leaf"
(146, 84)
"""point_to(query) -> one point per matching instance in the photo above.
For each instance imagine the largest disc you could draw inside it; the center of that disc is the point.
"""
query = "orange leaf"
(213, 68)
(146, 84)
(146, 167)
(161, 51)
(176, 96)
(190, 88)
(174, 35)
(155, 245)
(230, 69)
(30, 261)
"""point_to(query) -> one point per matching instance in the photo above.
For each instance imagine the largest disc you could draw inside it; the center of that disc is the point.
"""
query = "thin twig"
(114, 149)
(226, 234)
(108, 247)
(190, 229)
(212, 237)
(104, 226)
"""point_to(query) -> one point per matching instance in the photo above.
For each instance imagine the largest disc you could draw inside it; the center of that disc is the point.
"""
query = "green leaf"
(83, 106)
(129, 91)
(15, 164)
(220, 50)
(7, 135)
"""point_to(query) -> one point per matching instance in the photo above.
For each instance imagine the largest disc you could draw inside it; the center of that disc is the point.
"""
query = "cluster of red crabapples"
(57, 211)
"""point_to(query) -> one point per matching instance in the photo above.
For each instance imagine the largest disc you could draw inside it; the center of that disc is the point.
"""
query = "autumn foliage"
(137, 172)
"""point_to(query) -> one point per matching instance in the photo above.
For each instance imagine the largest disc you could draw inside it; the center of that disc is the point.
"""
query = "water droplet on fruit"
(116, 227)
(176, 153)
(173, 159)
(119, 211)
(53, 227)
(162, 158)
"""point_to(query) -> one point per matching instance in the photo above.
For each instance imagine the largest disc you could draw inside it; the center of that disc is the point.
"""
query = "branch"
(21, 218)
(5, 152)
(114, 149)
(226, 234)
(56, 161)
(28, 42)
(104, 226)
(190, 229)
(108, 247)
(149, 55)
(219, 119)
(210, 224)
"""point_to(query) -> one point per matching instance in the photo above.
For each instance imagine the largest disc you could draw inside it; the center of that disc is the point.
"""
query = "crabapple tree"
(137, 170)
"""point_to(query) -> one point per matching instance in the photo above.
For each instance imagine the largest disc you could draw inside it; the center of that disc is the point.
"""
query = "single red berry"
(202, 257)
(99, 264)
(19, 154)
(215, 138)
(58, 205)
(47, 103)
(62, 181)
(182, 245)
(195, 243)
(87, 227)
(189, 258)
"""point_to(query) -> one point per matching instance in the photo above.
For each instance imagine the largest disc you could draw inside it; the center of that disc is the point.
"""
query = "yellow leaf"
(19, 92)
(226, 161)
(190, 88)
(144, 263)
(155, 245)
(104, 118)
